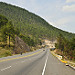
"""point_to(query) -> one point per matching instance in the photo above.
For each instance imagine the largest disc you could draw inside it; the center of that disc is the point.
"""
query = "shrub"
(4, 53)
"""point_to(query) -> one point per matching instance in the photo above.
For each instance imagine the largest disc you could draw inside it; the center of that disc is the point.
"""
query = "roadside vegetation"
(7, 38)
(66, 47)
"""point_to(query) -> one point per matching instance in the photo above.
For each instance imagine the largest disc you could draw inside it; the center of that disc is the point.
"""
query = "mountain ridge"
(30, 23)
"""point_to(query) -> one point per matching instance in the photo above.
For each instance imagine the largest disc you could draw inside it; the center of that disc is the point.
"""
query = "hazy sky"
(59, 13)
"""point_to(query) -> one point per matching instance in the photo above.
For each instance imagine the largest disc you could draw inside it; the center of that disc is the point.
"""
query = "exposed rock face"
(20, 46)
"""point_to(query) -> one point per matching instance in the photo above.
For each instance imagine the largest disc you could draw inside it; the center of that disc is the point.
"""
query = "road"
(34, 63)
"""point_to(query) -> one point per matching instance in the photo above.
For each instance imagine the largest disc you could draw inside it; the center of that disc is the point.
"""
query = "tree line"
(67, 46)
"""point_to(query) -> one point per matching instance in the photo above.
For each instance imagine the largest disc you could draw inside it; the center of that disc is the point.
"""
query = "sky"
(59, 13)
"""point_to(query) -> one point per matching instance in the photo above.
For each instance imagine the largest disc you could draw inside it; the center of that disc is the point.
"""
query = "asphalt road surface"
(34, 63)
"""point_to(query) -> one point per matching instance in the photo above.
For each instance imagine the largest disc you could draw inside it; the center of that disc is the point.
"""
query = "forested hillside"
(12, 41)
(29, 23)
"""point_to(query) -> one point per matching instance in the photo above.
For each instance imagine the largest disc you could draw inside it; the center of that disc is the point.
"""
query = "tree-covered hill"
(29, 23)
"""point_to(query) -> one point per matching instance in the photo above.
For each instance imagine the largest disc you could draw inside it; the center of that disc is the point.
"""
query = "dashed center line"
(5, 68)
(45, 65)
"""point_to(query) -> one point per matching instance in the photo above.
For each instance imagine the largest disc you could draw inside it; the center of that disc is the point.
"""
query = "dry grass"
(58, 52)
(5, 52)
(4, 48)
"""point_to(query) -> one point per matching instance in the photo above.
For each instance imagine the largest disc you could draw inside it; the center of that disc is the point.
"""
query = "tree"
(3, 20)
(8, 31)
(17, 31)
(67, 46)
(60, 42)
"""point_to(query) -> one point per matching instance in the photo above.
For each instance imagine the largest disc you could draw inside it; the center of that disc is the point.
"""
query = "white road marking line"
(5, 68)
(45, 66)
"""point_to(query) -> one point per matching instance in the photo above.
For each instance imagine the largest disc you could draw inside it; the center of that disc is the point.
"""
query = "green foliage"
(67, 46)
(17, 31)
(3, 20)
(4, 53)
(8, 30)
(7, 53)
(59, 45)
(31, 24)
(30, 41)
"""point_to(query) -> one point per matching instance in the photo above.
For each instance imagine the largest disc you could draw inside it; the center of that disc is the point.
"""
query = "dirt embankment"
(20, 46)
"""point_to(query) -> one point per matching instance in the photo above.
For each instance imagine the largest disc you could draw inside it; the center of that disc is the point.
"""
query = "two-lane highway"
(34, 63)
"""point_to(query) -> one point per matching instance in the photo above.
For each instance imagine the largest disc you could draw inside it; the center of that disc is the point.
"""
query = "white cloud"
(65, 21)
(69, 8)
(62, 21)
(68, 1)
